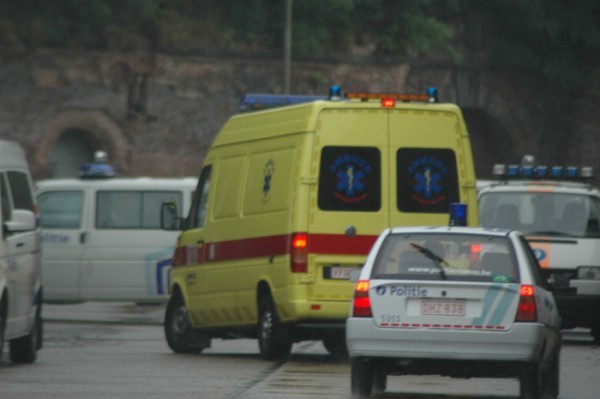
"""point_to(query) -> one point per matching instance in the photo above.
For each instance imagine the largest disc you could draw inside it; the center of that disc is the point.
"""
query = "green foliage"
(557, 38)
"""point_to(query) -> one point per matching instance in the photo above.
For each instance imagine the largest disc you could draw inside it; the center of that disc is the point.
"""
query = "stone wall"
(157, 115)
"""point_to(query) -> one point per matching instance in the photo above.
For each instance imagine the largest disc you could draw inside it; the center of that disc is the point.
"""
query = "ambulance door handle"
(83, 237)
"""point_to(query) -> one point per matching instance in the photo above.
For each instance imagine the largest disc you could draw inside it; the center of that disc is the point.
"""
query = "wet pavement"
(105, 312)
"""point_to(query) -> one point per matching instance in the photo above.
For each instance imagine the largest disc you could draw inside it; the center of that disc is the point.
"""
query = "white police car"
(453, 301)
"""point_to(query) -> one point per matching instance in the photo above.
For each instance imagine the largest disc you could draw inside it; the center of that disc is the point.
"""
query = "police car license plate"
(443, 308)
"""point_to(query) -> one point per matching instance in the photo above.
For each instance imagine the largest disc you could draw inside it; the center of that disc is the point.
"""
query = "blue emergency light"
(432, 92)
(458, 214)
(99, 169)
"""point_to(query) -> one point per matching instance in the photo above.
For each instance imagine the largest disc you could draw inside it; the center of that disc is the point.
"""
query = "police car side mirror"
(168, 216)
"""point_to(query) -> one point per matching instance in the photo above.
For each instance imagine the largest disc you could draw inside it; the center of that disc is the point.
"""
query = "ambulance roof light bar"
(255, 102)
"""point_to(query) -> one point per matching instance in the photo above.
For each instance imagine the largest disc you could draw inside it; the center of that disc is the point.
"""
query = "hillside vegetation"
(559, 39)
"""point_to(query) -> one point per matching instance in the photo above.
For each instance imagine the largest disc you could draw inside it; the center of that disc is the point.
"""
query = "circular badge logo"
(429, 175)
(351, 172)
(380, 290)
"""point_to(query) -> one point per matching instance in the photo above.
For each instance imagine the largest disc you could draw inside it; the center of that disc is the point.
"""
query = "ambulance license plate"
(443, 308)
(337, 273)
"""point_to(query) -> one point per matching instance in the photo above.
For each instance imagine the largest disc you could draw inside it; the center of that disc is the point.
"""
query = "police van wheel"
(178, 330)
(24, 349)
(274, 340)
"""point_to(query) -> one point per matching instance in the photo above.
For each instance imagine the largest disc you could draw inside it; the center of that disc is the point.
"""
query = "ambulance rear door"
(427, 162)
(350, 203)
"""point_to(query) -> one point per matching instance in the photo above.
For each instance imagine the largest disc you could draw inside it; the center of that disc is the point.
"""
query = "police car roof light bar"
(503, 171)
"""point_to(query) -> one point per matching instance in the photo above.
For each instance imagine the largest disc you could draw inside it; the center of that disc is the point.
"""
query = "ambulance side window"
(61, 209)
(350, 179)
(427, 180)
(6, 210)
(199, 208)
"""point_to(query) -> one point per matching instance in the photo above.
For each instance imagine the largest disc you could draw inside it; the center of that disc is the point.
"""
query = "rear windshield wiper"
(437, 260)
(550, 233)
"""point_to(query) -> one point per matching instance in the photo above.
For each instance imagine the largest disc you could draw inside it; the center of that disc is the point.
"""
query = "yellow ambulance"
(290, 199)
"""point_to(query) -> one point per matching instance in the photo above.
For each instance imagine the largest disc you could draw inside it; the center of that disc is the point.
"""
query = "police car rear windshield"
(452, 257)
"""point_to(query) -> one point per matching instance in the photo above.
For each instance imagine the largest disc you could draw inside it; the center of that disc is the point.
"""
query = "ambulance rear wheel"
(274, 339)
(335, 344)
(178, 330)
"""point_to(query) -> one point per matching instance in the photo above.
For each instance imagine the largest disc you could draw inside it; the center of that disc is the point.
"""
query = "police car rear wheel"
(530, 382)
(177, 326)
(274, 339)
(362, 375)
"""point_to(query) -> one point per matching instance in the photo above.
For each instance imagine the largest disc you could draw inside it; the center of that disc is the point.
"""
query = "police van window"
(427, 180)
(132, 209)
(21, 191)
(199, 208)
(350, 179)
(61, 209)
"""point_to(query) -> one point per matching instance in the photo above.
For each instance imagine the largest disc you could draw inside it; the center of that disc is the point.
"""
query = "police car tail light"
(361, 306)
(299, 253)
(527, 310)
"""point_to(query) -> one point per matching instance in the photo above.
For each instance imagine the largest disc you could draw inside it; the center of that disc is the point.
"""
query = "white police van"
(101, 235)
(559, 213)
(20, 283)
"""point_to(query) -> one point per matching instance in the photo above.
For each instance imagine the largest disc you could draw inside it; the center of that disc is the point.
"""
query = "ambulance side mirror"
(169, 219)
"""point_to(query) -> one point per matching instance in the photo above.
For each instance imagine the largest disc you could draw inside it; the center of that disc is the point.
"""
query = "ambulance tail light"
(361, 306)
(299, 253)
(179, 257)
(526, 311)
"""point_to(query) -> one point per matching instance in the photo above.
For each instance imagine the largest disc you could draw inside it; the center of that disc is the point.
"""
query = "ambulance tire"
(362, 376)
(274, 338)
(335, 344)
(530, 382)
(24, 349)
(178, 330)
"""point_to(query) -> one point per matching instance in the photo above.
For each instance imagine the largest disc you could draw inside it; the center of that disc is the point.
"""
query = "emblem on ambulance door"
(429, 175)
(351, 172)
(268, 175)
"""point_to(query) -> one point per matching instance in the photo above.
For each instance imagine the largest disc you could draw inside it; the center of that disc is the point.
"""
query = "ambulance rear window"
(427, 180)
(350, 179)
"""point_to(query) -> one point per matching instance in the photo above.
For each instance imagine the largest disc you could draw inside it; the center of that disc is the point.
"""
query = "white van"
(102, 238)
(20, 283)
